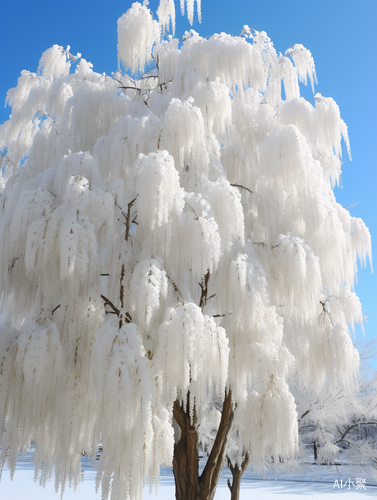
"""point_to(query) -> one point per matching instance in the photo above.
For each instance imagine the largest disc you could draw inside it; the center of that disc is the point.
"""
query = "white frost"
(169, 239)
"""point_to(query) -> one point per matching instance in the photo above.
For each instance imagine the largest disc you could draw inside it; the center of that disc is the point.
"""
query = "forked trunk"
(189, 485)
(237, 473)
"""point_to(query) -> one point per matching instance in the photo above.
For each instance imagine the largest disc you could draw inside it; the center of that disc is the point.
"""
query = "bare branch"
(128, 217)
(109, 303)
(122, 287)
(349, 429)
(203, 285)
(242, 187)
(304, 414)
(176, 289)
(56, 308)
(196, 215)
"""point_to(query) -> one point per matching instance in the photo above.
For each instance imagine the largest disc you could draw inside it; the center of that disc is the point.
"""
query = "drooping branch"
(190, 207)
(242, 187)
(176, 289)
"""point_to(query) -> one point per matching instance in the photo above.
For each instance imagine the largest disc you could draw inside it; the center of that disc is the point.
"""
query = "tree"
(172, 251)
(339, 424)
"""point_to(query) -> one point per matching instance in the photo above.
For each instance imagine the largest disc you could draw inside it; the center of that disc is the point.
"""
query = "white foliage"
(304, 64)
(183, 136)
(158, 189)
(190, 9)
(197, 243)
(225, 200)
(39, 356)
(150, 286)
(215, 103)
(170, 239)
(230, 60)
(166, 55)
(166, 15)
(191, 356)
(361, 242)
(140, 436)
(53, 63)
(268, 422)
(137, 33)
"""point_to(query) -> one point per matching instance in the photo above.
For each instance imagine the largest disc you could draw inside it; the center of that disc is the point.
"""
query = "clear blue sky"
(341, 35)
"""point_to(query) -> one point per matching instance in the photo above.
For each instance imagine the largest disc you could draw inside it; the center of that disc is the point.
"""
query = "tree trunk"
(237, 473)
(189, 485)
(235, 485)
(186, 457)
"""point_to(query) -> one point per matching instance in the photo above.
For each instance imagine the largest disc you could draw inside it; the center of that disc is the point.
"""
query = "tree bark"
(315, 452)
(237, 473)
(189, 485)
(186, 457)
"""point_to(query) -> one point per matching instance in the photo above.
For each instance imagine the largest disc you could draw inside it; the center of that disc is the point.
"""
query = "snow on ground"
(311, 481)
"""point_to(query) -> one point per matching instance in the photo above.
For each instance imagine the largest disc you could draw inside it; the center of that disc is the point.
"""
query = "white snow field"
(311, 481)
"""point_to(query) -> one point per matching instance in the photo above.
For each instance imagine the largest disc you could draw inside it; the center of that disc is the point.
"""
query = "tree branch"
(121, 286)
(179, 414)
(109, 303)
(212, 470)
(128, 217)
(204, 286)
(304, 414)
(242, 187)
(349, 429)
(56, 308)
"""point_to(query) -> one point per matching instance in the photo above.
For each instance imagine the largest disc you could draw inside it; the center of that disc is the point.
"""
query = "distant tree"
(168, 243)
(340, 424)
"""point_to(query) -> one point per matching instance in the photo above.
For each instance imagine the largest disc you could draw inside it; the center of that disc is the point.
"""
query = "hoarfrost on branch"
(170, 239)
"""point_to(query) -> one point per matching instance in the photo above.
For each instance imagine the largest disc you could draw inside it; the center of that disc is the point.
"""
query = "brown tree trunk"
(189, 485)
(186, 457)
(237, 473)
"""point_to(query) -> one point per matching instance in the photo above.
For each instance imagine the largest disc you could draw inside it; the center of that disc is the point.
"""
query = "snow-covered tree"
(340, 424)
(171, 251)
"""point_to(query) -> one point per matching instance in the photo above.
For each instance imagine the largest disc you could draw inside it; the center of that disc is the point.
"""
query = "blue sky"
(339, 33)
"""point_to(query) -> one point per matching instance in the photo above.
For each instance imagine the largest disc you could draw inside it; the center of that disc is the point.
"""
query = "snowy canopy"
(168, 238)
